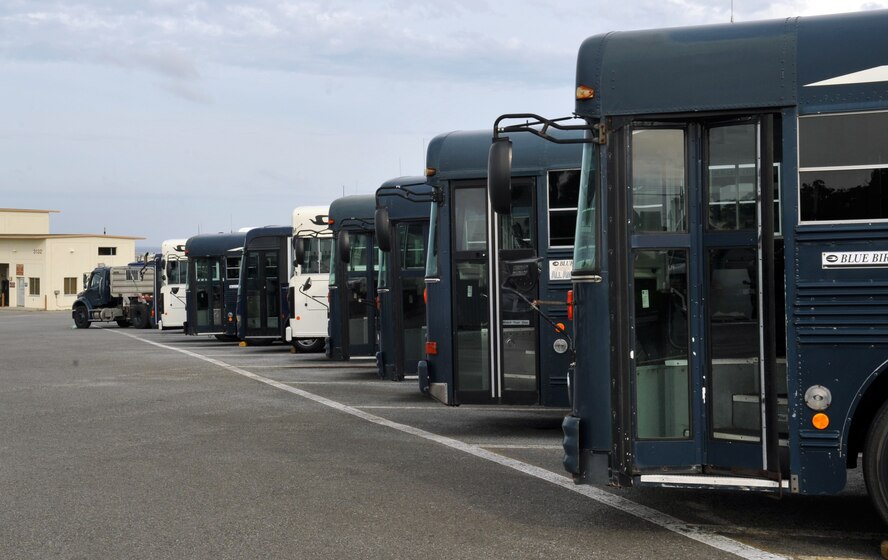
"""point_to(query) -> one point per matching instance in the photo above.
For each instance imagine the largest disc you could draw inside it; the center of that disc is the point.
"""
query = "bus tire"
(875, 462)
(309, 344)
(139, 316)
(81, 317)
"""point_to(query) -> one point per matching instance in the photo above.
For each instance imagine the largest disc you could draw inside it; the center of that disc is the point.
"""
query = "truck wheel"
(139, 316)
(309, 344)
(81, 317)
(875, 462)
(123, 323)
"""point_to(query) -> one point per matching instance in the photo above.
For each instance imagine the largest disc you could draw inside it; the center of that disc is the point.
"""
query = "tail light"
(570, 305)
(431, 348)
(425, 296)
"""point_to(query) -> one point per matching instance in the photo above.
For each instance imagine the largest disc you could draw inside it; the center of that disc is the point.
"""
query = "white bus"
(169, 309)
(312, 256)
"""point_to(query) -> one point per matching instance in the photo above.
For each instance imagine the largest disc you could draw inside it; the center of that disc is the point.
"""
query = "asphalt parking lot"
(123, 443)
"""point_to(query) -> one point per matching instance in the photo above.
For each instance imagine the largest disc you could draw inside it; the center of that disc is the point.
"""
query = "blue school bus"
(402, 232)
(730, 285)
(262, 310)
(214, 261)
(485, 277)
(351, 325)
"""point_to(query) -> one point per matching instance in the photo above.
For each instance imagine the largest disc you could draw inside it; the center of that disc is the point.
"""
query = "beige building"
(45, 271)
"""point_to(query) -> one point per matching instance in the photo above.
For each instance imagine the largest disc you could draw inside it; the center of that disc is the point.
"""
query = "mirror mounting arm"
(540, 126)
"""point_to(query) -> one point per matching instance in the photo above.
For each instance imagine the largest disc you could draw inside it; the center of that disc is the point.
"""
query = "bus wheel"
(139, 316)
(875, 462)
(309, 344)
(81, 317)
(226, 337)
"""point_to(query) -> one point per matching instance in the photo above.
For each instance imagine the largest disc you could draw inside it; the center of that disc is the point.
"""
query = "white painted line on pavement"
(622, 504)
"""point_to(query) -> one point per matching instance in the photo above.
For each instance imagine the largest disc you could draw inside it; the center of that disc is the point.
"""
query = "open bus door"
(701, 385)
(358, 293)
(495, 361)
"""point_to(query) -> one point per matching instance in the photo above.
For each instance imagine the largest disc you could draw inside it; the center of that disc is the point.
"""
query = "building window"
(843, 174)
(70, 286)
(34, 286)
(108, 251)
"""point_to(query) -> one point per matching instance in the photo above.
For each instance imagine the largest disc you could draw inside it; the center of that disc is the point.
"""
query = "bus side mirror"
(383, 229)
(298, 251)
(499, 175)
(343, 246)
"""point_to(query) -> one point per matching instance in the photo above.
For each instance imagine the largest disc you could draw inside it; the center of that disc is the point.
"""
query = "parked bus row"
(695, 263)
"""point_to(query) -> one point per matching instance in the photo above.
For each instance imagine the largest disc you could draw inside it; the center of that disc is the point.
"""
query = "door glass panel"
(518, 283)
(413, 308)
(412, 246)
(358, 311)
(473, 353)
(516, 228)
(732, 177)
(358, 252)
(254, 295)
(470, 219)
(272, 291)
(661, 344)
(734, 344)
(658, 180)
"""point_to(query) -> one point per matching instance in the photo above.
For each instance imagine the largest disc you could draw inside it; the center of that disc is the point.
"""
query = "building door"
(4, 284)
(20, 291)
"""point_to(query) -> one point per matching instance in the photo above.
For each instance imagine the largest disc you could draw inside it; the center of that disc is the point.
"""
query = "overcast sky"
(165, 118)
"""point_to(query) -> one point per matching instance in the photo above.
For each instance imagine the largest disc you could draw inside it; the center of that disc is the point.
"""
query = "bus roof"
(304, 219)
(267, 231)
(213, 244)
(169, 246)
(463, 154)
(356, 211)
(811, 62)
(399, 207)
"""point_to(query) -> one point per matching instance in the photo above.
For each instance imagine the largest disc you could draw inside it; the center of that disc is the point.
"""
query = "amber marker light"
(585, 92)
(330, 221)
(430, 171)
(820, 421)
(432, 348)
(559, 327)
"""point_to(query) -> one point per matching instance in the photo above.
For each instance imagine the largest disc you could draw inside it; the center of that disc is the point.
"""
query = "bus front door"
(496, 362)
(263, 302)
(702, 382)
(208, 295)
(360, 305)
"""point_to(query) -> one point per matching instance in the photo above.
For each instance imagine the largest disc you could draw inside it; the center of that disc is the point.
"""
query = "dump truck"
(123, 294)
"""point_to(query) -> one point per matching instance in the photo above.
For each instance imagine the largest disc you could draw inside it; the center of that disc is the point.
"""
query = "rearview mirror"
(298, 251)
(383, 229)
(343, 246)
(499, 175)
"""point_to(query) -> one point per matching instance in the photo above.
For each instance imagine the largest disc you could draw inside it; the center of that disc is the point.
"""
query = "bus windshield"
(585, 254)
(432, 258)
